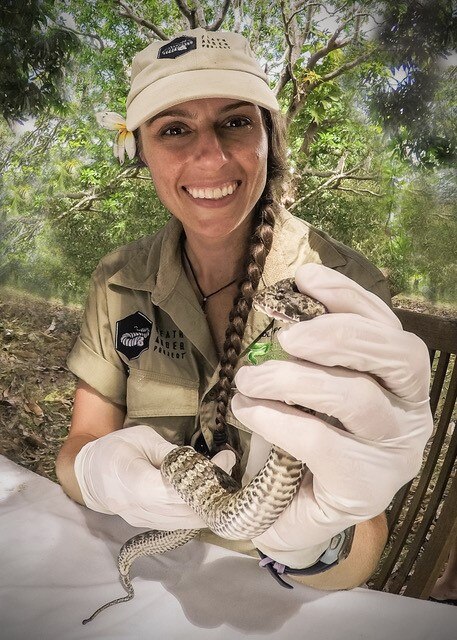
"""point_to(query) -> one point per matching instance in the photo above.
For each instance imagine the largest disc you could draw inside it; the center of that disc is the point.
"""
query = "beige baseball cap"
(195, 64)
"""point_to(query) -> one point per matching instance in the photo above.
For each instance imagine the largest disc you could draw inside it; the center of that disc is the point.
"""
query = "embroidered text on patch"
(170, 343)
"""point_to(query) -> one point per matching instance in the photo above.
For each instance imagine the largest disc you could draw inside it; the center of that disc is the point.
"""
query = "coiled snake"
(230, 511)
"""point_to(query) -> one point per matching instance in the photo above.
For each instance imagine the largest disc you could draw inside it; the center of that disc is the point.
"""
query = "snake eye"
(280, 295)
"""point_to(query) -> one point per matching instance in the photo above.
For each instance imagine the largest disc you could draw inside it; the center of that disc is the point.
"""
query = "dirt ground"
(36, 389)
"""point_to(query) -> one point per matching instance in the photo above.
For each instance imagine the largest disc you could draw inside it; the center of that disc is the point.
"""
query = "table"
(58, 564)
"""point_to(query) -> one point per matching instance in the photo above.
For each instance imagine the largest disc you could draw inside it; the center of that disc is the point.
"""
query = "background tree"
(34, 50)
(335, 68)
(415, 37)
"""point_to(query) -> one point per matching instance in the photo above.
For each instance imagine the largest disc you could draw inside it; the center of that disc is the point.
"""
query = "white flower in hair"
(124, 142)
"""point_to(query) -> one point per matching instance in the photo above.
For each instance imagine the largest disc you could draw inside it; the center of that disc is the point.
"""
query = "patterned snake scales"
(230, 511)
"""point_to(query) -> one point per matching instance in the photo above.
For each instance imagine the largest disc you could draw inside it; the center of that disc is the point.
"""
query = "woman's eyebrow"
(236, 105)
(172, 113)
(183, 113)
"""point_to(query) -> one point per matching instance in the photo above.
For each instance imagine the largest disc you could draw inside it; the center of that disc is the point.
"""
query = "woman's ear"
(141, 159)
(139, 149)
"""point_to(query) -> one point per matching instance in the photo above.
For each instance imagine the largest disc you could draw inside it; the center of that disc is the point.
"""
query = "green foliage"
(428, 222)
(65, 202)
(34, 51)
(121, 217)
(415, 38)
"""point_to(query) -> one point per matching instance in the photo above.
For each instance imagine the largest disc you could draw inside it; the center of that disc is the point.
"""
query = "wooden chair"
(422, 518)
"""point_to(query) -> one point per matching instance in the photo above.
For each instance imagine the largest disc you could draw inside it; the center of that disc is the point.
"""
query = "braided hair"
(259, 247)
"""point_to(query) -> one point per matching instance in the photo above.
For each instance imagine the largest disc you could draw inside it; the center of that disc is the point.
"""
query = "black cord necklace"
(205, 297)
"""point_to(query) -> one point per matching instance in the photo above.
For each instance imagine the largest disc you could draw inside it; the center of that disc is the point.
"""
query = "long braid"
(260, 245)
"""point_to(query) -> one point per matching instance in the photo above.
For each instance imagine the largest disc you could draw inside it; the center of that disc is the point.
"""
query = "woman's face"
(208, 161)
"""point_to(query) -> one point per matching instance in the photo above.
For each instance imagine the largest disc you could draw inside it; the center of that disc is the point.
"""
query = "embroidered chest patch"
(132, 335)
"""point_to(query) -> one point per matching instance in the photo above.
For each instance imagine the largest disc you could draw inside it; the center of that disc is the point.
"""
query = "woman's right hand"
(119, 473)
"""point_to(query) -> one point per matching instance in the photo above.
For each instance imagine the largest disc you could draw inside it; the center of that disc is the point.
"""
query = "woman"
(169, 321)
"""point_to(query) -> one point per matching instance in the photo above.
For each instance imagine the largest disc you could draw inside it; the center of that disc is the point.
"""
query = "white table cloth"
(58, 564)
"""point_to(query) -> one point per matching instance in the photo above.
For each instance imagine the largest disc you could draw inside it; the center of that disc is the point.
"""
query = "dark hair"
(259, 247)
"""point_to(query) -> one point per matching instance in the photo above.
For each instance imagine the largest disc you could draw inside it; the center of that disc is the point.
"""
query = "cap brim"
(194, 85)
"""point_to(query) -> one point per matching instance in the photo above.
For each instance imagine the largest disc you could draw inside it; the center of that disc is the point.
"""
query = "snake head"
(283, 301)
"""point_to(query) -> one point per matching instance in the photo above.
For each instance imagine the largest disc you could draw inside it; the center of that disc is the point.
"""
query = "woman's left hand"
(356, 364)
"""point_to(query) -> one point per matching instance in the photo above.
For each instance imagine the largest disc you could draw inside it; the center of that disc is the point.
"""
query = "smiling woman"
(208, 160)
(170, 317)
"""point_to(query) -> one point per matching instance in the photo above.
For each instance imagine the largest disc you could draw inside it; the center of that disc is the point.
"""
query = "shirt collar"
(287, 254)
(156, 267)
(160, 264)
(159, 272)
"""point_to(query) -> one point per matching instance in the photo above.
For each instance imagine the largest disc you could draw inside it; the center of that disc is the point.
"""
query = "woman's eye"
(237, 121)
(174, 130)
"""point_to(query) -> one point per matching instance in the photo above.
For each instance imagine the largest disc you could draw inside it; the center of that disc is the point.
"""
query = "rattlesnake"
(231, 512)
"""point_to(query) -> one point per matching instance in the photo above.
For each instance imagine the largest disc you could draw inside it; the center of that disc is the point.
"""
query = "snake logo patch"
(132, 335)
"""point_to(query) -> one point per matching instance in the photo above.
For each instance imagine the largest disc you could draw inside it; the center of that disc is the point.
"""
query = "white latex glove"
(356, 364)
(119, 474)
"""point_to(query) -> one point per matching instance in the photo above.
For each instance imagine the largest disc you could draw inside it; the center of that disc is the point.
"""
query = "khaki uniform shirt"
(145, 342)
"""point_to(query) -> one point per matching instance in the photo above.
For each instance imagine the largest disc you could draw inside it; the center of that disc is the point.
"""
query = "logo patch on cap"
(132, 335)
(177, 47)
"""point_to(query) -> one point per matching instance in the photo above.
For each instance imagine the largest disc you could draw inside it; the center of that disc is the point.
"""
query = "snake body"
(231, 512)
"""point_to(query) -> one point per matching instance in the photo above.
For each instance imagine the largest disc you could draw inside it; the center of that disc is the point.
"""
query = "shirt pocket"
(152, 394)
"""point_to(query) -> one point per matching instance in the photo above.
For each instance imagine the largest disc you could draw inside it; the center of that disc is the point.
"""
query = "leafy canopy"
(361, 130)
(34, 51)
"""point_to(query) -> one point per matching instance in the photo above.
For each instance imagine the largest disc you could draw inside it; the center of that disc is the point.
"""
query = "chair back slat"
(397, 506)
(437, 332)
(434, 497)
(439, 377)
(437, 550)
(449, 401)
(416, 507)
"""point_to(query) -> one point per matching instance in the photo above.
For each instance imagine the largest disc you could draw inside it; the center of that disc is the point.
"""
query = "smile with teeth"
(212, 194)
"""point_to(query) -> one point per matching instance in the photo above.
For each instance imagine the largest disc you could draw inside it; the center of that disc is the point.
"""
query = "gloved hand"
(119, 474)
(356, 364)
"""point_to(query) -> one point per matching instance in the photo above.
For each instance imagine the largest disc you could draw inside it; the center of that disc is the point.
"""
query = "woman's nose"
(210, 149)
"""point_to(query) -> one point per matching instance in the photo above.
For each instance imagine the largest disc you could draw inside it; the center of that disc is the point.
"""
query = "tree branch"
(214, 26)
(128, 12)
(37, 141)
(295, 42)
(310, 7)
(91, 36)
(85, 199)
(333, 43)
(300, 99)
(283, 80)
(199, 14)
(334, 180)
(288, 73)
(309, 137)
(359, 191)
(327, 174)
(187, 13)
(346, 66)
